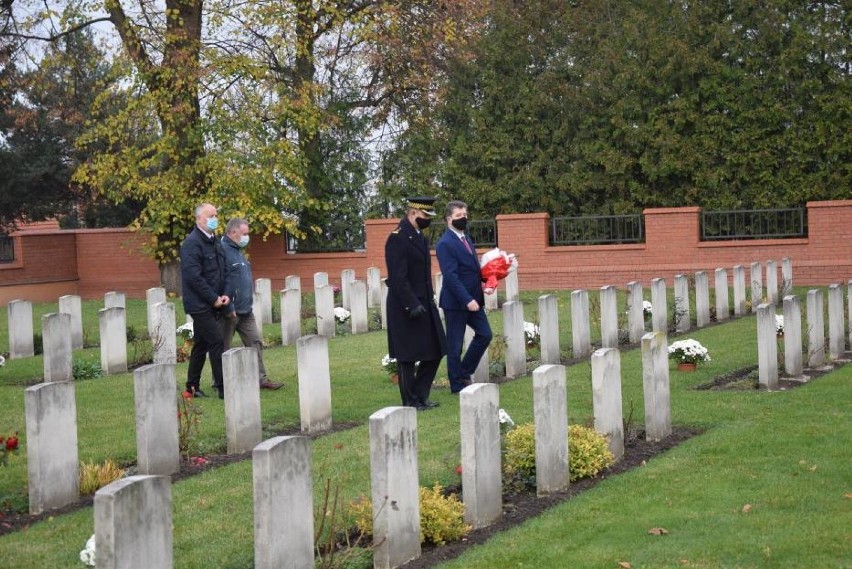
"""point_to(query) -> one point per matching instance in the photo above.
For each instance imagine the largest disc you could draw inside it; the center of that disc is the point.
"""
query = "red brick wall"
(96, 261)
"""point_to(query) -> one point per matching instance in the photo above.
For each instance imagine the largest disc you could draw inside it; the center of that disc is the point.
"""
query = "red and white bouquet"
(495, 265)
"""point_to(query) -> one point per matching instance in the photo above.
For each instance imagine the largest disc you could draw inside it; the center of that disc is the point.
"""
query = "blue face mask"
(244, 240)
(212, 224)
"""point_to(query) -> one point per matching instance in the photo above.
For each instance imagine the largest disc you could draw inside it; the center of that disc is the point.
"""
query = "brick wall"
(91, 262)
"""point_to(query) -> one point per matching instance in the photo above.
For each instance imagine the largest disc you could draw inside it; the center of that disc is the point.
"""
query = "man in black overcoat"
(415, 333)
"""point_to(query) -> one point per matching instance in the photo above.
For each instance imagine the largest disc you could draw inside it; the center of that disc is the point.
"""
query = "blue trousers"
(462, 367)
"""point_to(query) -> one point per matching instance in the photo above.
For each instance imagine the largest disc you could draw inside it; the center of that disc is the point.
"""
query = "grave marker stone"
(482, 488)
(702, 300)
(836, 337)
(324, 298)
(346, 278)
(21, 338)
(792, 336)
(113, 329)
(635, 311)
(291, 316)
(606, 398)
(513, 329)
(723, 311)
(655, 382)
(771, 282)
(72, 305)
(157, 442)
(550, 406)
(374, 287)
(482, 372)
(580, 332)
(756, 280)
(767, 347)
(165, 335)
(314, 383)
(358, 307)
(660, 310)
(56, 346)
(682, 315)
(816, 329)
(115, 300)
(609, 317)
(242, 399)
(263, 287)
(548, 315)
(153, 296)
(739, 291)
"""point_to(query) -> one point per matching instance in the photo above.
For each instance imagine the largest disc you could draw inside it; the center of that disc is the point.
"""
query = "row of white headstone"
(282, 477)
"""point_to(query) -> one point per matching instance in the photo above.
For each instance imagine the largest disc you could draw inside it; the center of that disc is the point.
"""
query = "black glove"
(417, 312)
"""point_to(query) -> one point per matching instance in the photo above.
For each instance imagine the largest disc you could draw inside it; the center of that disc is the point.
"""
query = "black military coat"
(409, 283)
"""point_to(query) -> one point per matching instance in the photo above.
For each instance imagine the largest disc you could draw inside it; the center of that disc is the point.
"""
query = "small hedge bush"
(441, 517)
(587, 449)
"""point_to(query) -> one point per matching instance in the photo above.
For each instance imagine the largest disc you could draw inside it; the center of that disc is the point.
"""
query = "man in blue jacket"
(202, 278)
(461, 297)
(239, 285)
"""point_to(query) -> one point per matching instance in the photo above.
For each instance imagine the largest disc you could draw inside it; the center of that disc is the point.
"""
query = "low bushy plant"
(94, 476)
(441, 516)
(82, 369)
(587, 449)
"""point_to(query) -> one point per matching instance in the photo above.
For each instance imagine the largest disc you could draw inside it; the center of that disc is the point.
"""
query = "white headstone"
(384, 306)
(324, 299)
(165, 335)
(635, 311)
(482, 373)
(291, 315)
(756, 283)
(548, 316)
(56, 344)
(157, 444)
(114, 300)
(609, 317)
(739, 291)
(72, 305)
(283, 504)
(702, 300)
(314, 383)
(786, 276)
(359, 317)
(793, 364)
(606, 398)
(52, 460)
(242, 399)
(21, 339)
(516, 345)
(153, 296)
(320, 279)
(580, 331)
(550, 406)
(513, 290)
(346, 278)
(264, 288)
(771, 282)
(133, 524)
(655, 381)
(836, 336)
(374, 287)
(660, 310)
(723, 310)
(767, 347)
(395, 485)
(681, 292)
(816, 329)
(480, 454)
(113, 329)
(293, 282)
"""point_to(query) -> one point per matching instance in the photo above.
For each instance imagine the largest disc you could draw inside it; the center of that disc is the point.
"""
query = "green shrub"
(81, 369)
(441, 517)
(588, 453)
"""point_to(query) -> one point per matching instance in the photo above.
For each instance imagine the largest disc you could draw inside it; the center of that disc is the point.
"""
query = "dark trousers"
(207, 339)
(458, 367)
(415, 382)
(246, 326)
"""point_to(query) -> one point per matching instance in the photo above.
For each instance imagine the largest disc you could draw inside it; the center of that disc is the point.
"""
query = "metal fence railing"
(754, 224)
(597, 229)
(336, 237)
(7, 249)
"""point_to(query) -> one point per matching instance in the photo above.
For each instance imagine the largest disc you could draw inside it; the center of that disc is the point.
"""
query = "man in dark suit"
(202, 274)
(414, 325)
(461, 297)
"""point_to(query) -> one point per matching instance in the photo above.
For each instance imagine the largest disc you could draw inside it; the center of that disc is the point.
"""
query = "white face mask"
(244, 240)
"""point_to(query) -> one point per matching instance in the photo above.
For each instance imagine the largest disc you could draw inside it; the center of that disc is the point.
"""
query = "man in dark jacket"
(239, 286)
(461, 297)
(201, 267)
(414, 325)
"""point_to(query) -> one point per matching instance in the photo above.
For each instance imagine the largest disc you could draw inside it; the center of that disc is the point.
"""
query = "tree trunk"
(170, 276)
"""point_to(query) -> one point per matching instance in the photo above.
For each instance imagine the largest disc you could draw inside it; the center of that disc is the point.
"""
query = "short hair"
(452, 206)
(235, 223)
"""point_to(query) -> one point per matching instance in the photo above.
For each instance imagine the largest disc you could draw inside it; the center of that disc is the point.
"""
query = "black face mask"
(460, 223)
(422, 223)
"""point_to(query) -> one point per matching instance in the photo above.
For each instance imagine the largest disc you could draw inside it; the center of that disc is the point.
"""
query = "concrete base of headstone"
(606, 398)
(550, 406)
(480, 454)
(157, 445)
(52, 463)
(395, 486)
(242, 399)
(133, 524)
(283, 504)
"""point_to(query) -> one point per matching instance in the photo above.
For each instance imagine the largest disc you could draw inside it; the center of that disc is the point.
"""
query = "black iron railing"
(7, 249)
(597, 229)
(754, 224)
(336, 237)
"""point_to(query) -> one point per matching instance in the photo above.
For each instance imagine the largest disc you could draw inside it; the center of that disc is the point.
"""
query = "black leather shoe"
(196, 392)
(432, 404)
(422, 407)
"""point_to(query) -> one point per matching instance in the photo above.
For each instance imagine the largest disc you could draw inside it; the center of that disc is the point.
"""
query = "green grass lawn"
(785, 454)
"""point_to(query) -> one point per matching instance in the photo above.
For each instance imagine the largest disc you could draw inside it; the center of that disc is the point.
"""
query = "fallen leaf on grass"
(625, 565)
(747, 508)
(848, 495)
(658, 531)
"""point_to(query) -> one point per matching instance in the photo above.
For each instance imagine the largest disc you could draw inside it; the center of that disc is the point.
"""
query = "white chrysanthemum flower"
(779, 324)
(647, 308)
(2, 361)
(689, 351)
(186, 330)
(87, 556)
(531, 332)
(341, 314)
(504, 417)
